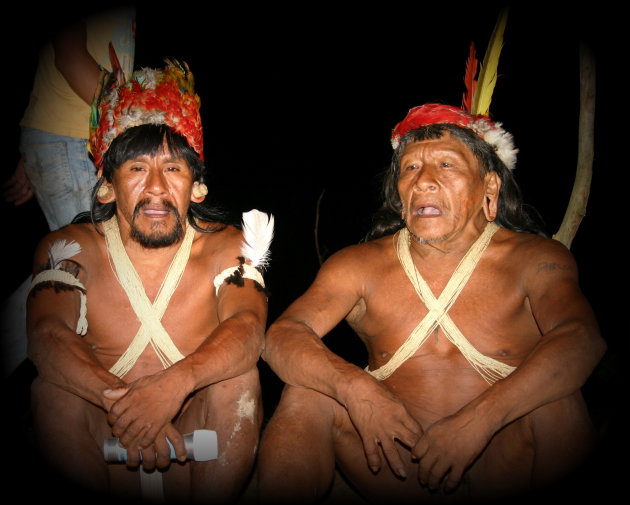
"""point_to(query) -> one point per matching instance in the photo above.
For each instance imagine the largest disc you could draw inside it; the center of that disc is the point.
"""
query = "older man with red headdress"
(478, 338)
(146, 316)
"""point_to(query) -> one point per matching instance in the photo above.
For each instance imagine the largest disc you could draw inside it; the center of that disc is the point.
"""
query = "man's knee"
(296, 458)
(301, 424)
(236, 397)
(69, 434)
(53, 406)
(233, 409)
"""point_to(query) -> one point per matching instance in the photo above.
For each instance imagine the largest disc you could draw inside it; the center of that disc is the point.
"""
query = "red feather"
(469, 79)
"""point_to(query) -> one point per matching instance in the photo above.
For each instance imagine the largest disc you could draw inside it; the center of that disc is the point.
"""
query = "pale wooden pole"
(576, 209)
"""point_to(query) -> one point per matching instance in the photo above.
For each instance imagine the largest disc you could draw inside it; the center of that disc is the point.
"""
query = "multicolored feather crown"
(474, 113)
(151, 96)
(433, 113)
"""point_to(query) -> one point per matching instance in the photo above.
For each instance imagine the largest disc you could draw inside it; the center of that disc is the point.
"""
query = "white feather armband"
(57, 252)
(69, 279)
(257, 237)
(244, 271)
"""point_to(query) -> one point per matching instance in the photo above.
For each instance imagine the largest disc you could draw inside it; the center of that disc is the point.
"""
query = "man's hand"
(143, 409)
(383, 422)
(158, 454)
(17, 189)
(448, 448)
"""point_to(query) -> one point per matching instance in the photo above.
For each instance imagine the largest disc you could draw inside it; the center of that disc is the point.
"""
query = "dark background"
(298, 104)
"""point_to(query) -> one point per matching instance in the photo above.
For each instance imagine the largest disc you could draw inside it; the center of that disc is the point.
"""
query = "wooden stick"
(576, 209)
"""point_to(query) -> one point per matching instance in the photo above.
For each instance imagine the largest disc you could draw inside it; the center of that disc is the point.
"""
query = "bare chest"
(488, 313)
(117, 312)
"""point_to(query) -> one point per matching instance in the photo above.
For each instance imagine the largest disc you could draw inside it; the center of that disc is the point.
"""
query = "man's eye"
(172, 168)
(136, 168)
(413, 166)
(446, 164)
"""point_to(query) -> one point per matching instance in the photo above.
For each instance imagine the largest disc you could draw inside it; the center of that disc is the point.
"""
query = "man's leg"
(67, 434)
(296, 462)
(232, 408)
(13, 340)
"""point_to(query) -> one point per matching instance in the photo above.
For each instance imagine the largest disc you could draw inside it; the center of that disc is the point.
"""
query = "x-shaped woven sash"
(489, 368)
(149, 315)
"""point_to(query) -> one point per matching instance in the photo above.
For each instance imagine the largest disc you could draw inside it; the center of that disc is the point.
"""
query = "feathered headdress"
(151, 96)
(474, 113)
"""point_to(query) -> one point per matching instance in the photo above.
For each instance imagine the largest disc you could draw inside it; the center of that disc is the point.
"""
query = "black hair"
(512, 213)
(150, 139)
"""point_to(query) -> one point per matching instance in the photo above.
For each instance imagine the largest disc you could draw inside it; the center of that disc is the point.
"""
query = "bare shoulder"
(76, 248)
(218, 246)
(83, 236)
(532, 246)
(360, 259)
(534, 255)
(340, 285)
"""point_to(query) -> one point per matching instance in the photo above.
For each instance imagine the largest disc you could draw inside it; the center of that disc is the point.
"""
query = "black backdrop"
(298, 104)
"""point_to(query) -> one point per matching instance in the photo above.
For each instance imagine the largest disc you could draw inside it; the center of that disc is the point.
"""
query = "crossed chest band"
(490, 369)
(149, 314)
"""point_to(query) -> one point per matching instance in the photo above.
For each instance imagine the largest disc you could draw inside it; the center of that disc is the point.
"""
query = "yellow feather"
(488, 73)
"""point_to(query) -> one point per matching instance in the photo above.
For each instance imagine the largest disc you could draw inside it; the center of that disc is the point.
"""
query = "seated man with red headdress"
(146, 316)
(478, 338)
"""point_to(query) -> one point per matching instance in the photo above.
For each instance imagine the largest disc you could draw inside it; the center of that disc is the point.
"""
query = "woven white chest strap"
(149, 315)
(489, 368)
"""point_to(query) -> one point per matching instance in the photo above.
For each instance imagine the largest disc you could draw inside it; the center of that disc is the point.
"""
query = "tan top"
(53, 106)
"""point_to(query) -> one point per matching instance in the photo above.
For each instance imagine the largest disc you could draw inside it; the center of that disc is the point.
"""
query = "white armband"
(64, 277)
(245, 271)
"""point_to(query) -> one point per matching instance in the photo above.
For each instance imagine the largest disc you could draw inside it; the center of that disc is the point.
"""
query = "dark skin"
(436, 417)
(220, 336)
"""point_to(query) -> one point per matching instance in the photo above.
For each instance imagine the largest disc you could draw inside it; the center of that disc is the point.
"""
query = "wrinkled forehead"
(445, 145)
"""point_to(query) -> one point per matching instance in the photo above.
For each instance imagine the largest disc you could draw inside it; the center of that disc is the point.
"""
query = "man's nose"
(425, 181)
(156, 182)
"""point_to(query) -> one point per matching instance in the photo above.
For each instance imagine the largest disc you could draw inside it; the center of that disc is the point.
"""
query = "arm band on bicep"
(243, 271)
(68, 279)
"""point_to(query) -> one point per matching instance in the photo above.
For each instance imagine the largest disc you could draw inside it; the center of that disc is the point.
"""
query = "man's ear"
(199, 192)
(105, 193)
(492, 183)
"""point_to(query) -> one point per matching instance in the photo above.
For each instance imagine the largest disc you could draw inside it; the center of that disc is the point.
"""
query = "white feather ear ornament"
(257, 235)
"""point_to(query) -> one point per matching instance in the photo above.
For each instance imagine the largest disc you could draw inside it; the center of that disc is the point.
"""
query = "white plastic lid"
(205, 445)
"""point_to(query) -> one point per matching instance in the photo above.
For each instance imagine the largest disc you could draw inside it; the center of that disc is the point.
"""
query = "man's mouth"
(154, 209)
(158, 235)
(428, 210)
(155, 212)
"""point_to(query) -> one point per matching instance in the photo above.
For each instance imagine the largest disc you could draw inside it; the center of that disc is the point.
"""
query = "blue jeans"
(62, 176)
(61, 173)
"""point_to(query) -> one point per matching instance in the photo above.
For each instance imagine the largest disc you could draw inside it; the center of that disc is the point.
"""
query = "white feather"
(257, 235)
(60, 251)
